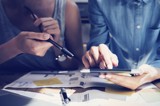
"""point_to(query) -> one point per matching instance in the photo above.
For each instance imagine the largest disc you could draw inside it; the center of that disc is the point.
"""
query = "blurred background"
(83, 7)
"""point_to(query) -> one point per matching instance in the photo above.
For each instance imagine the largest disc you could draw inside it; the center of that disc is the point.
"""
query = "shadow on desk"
(7, 77)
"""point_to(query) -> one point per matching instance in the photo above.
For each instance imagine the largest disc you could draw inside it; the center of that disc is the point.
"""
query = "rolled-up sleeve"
(99, 30)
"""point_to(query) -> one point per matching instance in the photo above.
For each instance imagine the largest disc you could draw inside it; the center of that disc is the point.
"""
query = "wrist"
(8, 51)
(14, 47)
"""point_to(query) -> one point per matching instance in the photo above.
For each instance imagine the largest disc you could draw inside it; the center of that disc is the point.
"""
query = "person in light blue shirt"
(125, 34)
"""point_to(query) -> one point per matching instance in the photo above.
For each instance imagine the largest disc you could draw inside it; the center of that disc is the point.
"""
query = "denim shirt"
(131, 29)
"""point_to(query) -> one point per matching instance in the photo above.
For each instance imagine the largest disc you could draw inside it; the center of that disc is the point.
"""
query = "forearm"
(8, 51)
(99, 33)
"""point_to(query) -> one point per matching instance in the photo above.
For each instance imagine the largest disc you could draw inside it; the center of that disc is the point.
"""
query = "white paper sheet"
(76, 79)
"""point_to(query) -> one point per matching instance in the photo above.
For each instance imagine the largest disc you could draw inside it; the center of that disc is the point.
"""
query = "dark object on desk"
(63, 50)
(64, 97)
(13, 99)
(97, 70)
(46, 73)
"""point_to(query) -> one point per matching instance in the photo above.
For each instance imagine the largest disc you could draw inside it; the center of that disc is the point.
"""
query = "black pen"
(63, 50)
(64, 97)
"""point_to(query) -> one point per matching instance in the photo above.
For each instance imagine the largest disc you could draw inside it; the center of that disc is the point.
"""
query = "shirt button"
(137, 49)
(138, 3)
(138, 26)
(135, 64)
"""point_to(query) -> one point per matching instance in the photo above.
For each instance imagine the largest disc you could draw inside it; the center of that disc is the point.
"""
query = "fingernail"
(46, 36)
(110, 66)
(102, 76)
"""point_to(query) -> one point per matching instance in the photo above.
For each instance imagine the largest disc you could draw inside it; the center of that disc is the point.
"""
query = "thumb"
(145, 79)
(38, 36)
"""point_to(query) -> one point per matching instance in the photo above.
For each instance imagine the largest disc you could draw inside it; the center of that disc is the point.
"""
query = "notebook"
(12, 99)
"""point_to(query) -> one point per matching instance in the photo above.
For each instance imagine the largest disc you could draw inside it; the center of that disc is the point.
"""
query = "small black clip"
(64, 97)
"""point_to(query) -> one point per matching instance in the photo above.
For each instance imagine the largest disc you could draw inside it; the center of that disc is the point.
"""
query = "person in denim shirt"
(125, 34)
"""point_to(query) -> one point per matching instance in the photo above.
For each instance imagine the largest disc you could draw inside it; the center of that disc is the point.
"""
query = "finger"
(52, 31)
(37, 36)
(105, 54)
(94, 51)
(51, 27)
(145, 79)
(114, 60)
(50, 23)
(102, 65)
(144, 69)
(102, 76)
(85, 62)
(90, 59)
(47, 21)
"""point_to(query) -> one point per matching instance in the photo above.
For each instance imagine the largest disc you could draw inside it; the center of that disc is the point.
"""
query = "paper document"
(76, 79)
(41, 79)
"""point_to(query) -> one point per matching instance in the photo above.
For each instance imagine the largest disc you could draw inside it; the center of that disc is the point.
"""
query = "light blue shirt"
(131, 29)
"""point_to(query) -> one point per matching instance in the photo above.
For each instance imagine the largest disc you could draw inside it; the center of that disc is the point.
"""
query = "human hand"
(32, 43)
(151, 73)
(50, 26)
(100, 55)
(147, 74)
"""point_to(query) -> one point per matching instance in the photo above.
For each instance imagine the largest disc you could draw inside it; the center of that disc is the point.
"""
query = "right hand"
(32, 43)
(50, 26)
(100, 56)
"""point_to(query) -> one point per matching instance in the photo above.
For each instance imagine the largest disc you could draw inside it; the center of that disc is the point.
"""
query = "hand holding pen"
(49, 26)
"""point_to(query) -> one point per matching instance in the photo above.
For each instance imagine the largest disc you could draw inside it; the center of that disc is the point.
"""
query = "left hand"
(50, 26)
(147, 74)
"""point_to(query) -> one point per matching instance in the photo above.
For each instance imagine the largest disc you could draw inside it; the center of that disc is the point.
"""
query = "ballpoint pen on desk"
(64, 97)
(63, 50)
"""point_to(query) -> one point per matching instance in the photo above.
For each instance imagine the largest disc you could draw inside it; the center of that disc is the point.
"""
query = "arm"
(73, 38)
(99, 33)
(98, 54)
(8, 51)
(25, 42)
